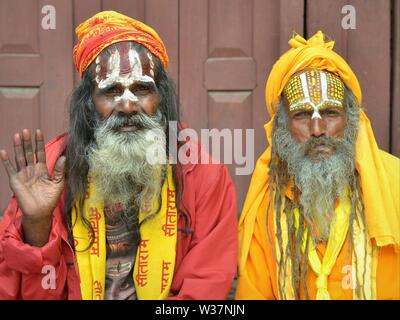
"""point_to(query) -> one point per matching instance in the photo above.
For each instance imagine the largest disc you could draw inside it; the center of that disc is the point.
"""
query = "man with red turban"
(108, 210)
(321, 217)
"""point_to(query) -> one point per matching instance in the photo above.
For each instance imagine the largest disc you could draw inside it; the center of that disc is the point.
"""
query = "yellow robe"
(380, 180)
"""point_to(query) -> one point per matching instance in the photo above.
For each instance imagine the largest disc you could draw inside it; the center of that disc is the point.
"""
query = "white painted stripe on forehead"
(136, 66)
(304, 85)
(113, 65)
(134, 63)
(324, 86)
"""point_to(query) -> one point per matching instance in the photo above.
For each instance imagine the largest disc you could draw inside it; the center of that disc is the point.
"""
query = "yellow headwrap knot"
(316, 40)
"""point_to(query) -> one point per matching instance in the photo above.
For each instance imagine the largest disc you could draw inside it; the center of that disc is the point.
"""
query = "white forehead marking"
(126, 96)
(324, 86)
(113, 71)
(151, 63)
(304, 85)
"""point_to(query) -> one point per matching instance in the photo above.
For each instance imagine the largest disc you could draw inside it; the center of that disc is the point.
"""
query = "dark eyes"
(305, 114)
(329, 112)
(111, 90)
(142, 88)
(137, 89)
(302, 114)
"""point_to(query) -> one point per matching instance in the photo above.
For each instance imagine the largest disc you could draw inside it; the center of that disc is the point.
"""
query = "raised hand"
(37, 192)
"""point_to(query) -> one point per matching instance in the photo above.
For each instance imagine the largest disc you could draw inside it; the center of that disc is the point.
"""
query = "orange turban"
(311, 53)
(108, 27)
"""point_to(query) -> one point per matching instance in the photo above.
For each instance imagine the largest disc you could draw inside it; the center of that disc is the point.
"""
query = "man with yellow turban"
(321, 217)
(109, 210)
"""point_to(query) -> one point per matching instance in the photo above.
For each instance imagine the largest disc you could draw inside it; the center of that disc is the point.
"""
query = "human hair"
(82, 125)
(278, 183)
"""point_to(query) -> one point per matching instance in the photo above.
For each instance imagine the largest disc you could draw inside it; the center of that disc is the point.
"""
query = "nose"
(127, 102)
(318, 127)
(127, 106)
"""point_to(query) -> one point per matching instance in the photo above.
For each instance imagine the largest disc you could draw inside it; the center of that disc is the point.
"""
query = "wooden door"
(35, 72)
(226, 50)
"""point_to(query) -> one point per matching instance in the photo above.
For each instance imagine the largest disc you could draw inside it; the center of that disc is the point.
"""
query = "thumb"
(59, 169)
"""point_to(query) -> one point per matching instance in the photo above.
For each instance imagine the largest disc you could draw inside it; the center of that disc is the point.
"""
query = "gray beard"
(119, 165)
(323, 180)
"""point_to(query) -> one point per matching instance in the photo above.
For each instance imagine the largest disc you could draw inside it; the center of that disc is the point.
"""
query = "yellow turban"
(311, 53)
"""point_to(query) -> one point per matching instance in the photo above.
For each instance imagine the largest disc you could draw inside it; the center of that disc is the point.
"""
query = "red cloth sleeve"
(208, 268)
(25, 269)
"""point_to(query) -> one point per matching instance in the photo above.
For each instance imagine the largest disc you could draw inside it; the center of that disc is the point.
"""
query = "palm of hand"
(37, 193)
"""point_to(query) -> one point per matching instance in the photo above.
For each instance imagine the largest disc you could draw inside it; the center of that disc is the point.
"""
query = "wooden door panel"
(132, 8)
(230, 28)
(231, 110)
(230, 73)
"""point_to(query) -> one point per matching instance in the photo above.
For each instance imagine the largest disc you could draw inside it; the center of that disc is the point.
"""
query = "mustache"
(140, 120)
(313, 142)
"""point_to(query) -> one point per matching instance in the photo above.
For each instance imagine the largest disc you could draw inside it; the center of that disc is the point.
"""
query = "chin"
(318, 155)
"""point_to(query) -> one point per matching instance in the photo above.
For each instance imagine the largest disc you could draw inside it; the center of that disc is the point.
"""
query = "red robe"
(205, 260)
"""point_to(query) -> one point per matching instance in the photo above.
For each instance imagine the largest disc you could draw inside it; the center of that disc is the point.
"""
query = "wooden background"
(221, 52)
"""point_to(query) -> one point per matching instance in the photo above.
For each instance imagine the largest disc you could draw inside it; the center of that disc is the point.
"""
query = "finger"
(40, 153)
(59, 169)
(19, 152)
(7, 163)
(27, 143)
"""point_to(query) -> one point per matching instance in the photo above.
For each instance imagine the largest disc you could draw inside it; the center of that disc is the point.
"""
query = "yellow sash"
(155, 258)
(337, 236)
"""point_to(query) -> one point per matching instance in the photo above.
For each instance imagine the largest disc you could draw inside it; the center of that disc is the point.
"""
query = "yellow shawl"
(155, 258)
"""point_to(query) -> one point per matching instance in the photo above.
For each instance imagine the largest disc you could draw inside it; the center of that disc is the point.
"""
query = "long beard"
(321, 181)
(122, 164)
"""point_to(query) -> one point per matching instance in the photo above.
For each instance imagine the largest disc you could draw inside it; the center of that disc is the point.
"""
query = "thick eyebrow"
(302, 107)
(149, 84)
(111, 85)
(331, 106)
(144, 83)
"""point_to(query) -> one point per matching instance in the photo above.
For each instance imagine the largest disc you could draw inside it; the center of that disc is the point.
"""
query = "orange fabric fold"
(108, 27)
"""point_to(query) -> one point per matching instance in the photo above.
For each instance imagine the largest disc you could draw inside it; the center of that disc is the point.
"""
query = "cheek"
(104, 107)
(150, 103)
(299, 130)
(336, 127)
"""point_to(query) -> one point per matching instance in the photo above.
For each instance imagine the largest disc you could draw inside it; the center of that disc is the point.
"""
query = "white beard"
(120, 168)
